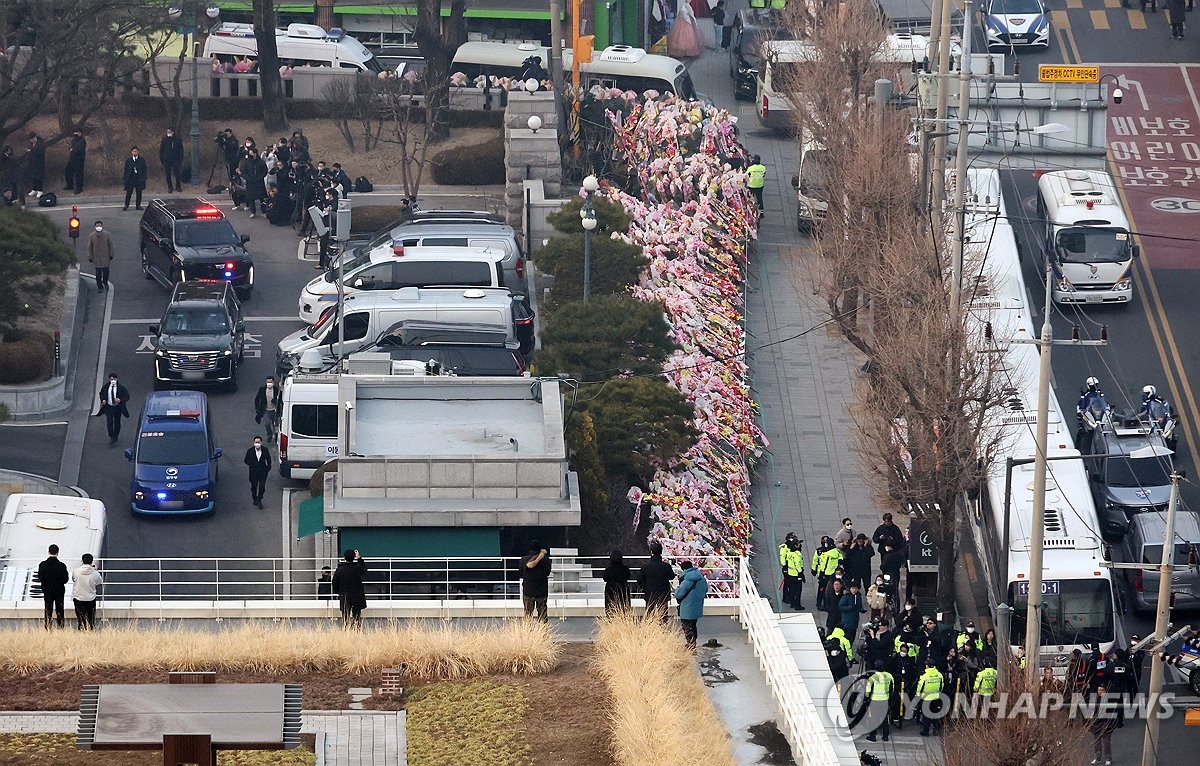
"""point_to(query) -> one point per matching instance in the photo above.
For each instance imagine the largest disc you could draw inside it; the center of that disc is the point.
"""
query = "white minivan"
(308, 425)
(299, 45)
(394, 266)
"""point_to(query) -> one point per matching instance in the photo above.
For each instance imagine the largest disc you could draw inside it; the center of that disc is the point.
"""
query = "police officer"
(824, 565)
(1088, 395)
(929, 689)
(757, 173)
(969, 634)
(791, 560)
(880, 686)
(904, 669)
(985, 683)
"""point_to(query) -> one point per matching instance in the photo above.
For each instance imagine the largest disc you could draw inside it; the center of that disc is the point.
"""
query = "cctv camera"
(1117, 95)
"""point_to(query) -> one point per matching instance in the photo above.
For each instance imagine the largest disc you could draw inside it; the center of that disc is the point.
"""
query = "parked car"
(751, 27)
(1130, 468)
(1012, 24)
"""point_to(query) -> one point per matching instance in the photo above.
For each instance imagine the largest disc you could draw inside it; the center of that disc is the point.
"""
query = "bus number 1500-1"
(1049, 588)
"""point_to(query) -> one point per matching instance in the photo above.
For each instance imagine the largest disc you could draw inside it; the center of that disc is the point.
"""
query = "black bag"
(362, 185)
(218, 189)
(49, 199)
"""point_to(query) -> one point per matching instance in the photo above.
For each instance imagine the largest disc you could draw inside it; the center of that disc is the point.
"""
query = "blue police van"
(174, 460)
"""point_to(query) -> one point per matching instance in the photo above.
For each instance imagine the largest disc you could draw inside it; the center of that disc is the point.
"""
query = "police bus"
(31, 524)
(1087, 237)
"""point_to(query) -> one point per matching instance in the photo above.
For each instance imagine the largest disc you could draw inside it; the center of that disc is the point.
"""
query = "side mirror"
(1137, 251)
(129, 454)
(218, 452)
(358, 282)
(245, 238)
(154, 330)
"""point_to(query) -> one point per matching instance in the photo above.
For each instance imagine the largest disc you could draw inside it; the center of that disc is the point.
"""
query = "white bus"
(299, 45)
(1087, 237)
(31, 524)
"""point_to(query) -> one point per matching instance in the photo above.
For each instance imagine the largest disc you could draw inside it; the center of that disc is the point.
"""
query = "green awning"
(312, 517)
(421, 542)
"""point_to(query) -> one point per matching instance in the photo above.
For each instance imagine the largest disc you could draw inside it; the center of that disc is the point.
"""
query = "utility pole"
(556, 65)
(1158, 669)
(943, 97)
(960, 167)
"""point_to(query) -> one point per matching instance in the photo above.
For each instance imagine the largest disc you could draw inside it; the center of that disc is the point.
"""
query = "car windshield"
(1093, 245)
(1016, 7)
(1074, 612)
(357, 262)
(1138, 472)
(814, 171)
(205, 233)
(195, 321)
(172, 447)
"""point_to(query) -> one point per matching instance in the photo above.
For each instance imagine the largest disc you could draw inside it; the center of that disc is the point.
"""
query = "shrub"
(4, 413)
(476, 165)
(608, 335)
(25, 358)
(616, 266)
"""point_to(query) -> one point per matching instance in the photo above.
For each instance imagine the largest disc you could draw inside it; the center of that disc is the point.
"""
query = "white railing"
(800, 720)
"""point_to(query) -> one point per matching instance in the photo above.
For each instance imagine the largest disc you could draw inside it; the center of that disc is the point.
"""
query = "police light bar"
(337, 33)
(208, 212)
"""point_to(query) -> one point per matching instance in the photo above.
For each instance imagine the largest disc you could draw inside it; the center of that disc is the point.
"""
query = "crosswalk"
(1110, 17)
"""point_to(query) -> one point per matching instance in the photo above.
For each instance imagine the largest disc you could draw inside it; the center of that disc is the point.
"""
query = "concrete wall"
(51, 395)
(529, 155)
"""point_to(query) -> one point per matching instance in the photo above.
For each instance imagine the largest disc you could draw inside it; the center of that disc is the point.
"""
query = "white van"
(299, 45)
(617, 66)
(31, 523)
(369, 315)
(308, 425)
(394, 266)
(784, 68)
(1087, 238)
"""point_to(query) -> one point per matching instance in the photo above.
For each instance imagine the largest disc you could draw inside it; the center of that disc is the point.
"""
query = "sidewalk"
(428, 192)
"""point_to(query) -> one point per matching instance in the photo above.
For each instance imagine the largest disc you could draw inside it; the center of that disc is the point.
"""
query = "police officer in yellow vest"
(824, 563)
(791, 560)
(839, 635)
(758, 3)
(985, 683)
(757, 173)
(879, 691)
(969, 634)
(929, 689)
(778, 5)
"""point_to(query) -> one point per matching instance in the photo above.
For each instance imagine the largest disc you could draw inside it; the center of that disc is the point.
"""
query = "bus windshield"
(1093, 245)
(1074, 612)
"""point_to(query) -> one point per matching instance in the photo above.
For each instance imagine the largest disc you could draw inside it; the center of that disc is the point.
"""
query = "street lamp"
(534, 122)
(587, 214)
(212, 12)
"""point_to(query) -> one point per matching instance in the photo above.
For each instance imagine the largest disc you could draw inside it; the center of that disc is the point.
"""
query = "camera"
(220, 139)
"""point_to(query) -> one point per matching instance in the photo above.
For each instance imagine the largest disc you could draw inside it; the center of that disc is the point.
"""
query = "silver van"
(369, 315)
(1144, 545)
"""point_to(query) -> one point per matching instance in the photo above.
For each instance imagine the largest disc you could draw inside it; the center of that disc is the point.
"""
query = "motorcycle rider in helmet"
(1091, 398)
(1158, 410)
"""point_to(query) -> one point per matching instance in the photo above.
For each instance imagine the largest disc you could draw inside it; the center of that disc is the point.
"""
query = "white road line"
(287, 538)
(155, 320)
(100, 371)
(38, 424)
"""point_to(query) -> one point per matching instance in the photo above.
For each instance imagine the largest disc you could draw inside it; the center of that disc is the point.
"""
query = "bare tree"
(412, 126)
(437, 40)
(274, 105)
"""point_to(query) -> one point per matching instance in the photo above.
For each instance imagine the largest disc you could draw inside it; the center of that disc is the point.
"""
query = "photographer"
(531, 69)
(230, 151)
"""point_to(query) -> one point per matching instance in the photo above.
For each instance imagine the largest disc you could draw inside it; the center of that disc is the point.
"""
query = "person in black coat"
(134, 177)
(170, 154)
(258, 459)
(616, 584)
(75, 159)
(114, 400)
(858, 561)
(348, 585)
(231, 151)
(888, 533)
(654, 580)
(254, 171)
(35, 165)
(53, 577)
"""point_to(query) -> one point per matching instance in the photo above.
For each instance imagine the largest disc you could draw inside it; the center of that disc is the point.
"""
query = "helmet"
(1148, 392)
(1092, 383)
(755, 159)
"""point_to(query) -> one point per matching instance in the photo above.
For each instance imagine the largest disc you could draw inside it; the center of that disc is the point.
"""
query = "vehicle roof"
(1128, 443)
(451, 214)
(1152, 526)
(175, 405)
(492, 296)
(384, 253)
(189, 207)
(200, 291)
(897, 48)
(452, 227)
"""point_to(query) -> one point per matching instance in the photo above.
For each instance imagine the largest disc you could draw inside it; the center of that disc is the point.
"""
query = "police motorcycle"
(1090, 412)
(1158, 413)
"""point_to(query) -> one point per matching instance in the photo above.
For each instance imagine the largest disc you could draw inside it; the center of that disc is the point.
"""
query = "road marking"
(1112, 3)
(39, 424)
(100, 373)
(1099, 19)
(1137, 19)
(156, 319)
(1066, 38)
(1072, 4)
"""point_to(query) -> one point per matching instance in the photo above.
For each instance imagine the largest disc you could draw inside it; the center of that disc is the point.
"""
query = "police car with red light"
(175, 459)
(189, 239)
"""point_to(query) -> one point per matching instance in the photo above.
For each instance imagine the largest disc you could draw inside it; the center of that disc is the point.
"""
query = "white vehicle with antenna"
(31, 524)
(298, 44)
(1087, 237)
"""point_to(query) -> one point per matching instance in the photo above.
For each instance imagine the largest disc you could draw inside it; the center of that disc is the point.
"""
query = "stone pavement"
(358, 738)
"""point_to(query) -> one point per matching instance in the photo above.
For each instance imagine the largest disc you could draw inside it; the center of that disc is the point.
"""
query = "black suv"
(751, 28)
(189, 239)
(201, 338)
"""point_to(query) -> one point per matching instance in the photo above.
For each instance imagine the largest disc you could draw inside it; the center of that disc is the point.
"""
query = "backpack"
(362, 185)
(49, 199)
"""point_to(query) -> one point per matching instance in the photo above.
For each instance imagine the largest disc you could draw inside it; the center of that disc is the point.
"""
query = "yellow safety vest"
(985, 682)
(840, 635)
(783, 552)
(929, 686)
(879, 686)
(758, 176)
(794, 561)
(758, 3)
(778, 5)
(964, 637)
(830, 561)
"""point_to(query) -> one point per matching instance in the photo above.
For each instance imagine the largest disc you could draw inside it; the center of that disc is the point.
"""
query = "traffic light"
(73, 223)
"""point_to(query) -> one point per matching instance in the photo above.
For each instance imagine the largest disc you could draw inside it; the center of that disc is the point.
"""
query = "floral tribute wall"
(694, 219)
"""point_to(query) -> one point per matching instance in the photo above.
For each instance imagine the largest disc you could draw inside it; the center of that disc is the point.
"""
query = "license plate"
(171, 505)
(192, 375)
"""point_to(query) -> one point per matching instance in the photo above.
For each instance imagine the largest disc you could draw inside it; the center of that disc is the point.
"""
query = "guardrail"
(801, 723)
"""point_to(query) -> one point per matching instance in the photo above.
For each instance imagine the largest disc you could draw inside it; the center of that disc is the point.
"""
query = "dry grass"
(473, 724)
(422, 651)
(661, 713)
(59, 750)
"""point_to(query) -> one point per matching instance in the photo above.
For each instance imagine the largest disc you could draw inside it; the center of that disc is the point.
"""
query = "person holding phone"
(348, 585)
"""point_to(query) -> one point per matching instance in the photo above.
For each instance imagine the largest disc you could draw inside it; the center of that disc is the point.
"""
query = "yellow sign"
(1061, 73)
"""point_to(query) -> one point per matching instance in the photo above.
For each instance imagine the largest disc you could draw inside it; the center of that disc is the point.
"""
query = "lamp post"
(588, 220)
(212, 12)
